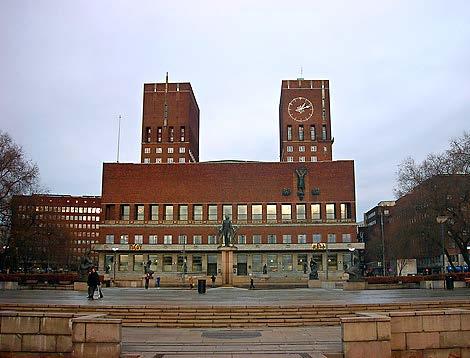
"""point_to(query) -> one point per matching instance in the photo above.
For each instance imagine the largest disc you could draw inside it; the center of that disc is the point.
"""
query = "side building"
(54, 231)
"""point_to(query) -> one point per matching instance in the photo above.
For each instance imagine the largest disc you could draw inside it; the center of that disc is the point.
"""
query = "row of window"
(301, 132)
(212, 239)
(257, 212)
(170, 150)
(273, 262)
(169, 160)
(63, 217)
(61, 209)
(86, 234)
(303, 159)
(313, 148)
(171, 134)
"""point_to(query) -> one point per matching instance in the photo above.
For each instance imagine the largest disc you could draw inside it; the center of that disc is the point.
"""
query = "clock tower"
(304, 121)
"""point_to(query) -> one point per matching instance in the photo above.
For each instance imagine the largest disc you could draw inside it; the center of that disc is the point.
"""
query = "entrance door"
(242, 265)
(212, 264)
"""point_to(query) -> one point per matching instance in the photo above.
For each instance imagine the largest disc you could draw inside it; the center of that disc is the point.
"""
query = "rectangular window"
(146, 160)
(301, 159)
(182, 160)
(257, 264)
(256, 212)
(170, 150)
(318, 258)
(170, 161)
(346, 237)
(212, 240)
(286, 212)
(169, 212)
(286, 239)
(182, 150)
(167, 240)
(345, 211)
(313, 148)
(183, 213)
(158, 150)
(302, 238)
(139, 212)
(301, 148)
(110, 239)
(158, 160)
(290, 159)
(212, 213)
(272, 262)
(138, 239)
(171, 134)
(286, 264)
(125, 210)
(197, 212)
(242, 212)
(227, 210)
(123, 262)
(148, 132)
(182, 134)
(300, 211)
(197, 263)
(167, 263)
(153, 239)
(154, 212)
(147, 150)
(315, 211)
(271, 214)
(159, 134)
(197, 240)
(271, 239)
(257, 239)
(302, 262)
(331, 238)
(323, 132)
(138, 262)
(153, 262)
(290, 149)
(301, 132)
(211, 264)
(289, 132)
(332, 261)
(242, 239)
(316, 238)
(124, 240)
(182, 240)
(313, 159)
(330, 212)
(313, 135)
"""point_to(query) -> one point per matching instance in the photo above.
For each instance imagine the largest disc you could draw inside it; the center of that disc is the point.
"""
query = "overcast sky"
(399, 76)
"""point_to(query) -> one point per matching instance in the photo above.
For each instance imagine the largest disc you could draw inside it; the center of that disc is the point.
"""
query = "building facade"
(285, 214)
(72, 221)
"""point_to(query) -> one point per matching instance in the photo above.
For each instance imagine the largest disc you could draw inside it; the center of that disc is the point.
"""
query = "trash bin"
(201, 286)
(449, 282)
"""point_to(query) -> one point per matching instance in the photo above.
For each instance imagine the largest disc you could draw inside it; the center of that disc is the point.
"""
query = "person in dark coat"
(93, 282)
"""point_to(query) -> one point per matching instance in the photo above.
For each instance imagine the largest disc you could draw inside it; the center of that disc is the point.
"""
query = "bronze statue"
(227, 232)
(313, 270)
(85, 265)
(301, 173)
(147, 269)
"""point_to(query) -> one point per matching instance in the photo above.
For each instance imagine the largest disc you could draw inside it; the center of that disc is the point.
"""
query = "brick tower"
(170, 124)
(304, 121)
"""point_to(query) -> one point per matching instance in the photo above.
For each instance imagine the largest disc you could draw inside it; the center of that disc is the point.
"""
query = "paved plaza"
(304, 342)
(230, 296)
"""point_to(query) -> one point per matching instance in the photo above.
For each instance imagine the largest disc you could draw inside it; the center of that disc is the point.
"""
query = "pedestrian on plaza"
(252, 285)
(148, 276)
(157, 281)
(93, 282)
(191, 282)
(213, 280)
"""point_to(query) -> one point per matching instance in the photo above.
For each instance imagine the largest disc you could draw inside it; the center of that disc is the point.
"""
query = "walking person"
(93, 282)
(213, 281)
(191, 282)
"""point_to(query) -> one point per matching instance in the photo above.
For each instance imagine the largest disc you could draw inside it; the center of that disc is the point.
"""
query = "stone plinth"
(354, 286)
(227, 264)
(314, 284)
(80, 286)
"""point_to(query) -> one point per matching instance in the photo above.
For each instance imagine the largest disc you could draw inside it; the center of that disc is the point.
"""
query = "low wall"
(440, 333)
(77, 335)
(8, 285)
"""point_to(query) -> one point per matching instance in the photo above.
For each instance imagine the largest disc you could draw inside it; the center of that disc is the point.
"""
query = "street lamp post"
(383, 242)
(441, 220)
(115, 249)
(351, 250)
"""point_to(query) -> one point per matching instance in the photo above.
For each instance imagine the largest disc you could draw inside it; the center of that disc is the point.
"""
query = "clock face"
(300, 109)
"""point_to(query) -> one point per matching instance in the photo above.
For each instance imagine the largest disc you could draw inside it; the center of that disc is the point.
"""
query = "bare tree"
(18, 175)
(440, 186)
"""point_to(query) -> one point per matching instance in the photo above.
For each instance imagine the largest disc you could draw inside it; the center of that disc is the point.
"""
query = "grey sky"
(399, 75)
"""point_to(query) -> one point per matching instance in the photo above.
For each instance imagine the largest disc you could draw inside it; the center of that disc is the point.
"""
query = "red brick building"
(75, 219)
(286, 214)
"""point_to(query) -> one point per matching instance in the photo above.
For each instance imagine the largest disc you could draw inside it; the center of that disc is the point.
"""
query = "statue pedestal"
(227, 264)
